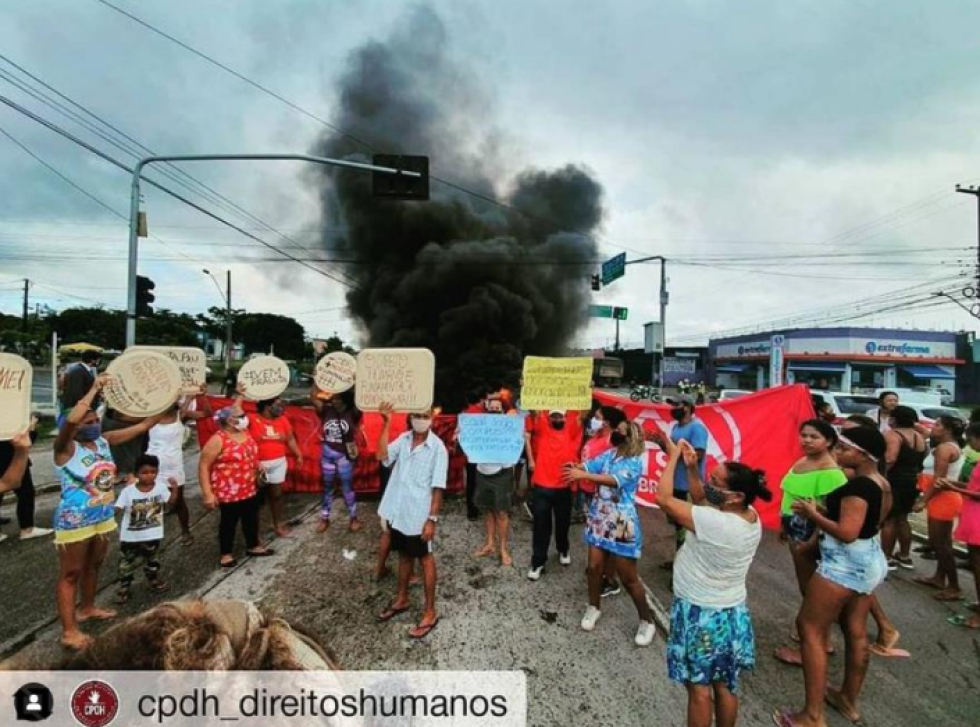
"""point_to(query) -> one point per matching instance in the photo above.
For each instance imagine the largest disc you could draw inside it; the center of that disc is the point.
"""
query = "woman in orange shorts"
(943, 505)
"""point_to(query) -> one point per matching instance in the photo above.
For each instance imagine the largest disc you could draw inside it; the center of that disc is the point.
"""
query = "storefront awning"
(927, 371)
(824, 368)
(732, 368)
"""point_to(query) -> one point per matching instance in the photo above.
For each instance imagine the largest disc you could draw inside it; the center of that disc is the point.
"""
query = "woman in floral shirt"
(613, 527)
(228, 473)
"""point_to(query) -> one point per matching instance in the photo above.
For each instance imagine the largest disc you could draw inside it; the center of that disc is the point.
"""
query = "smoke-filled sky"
(789, 159)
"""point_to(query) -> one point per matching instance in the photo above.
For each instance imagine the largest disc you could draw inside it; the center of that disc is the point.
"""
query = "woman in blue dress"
(612, 531)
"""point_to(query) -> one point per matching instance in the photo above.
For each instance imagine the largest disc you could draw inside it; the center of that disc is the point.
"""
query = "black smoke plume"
(479, 284)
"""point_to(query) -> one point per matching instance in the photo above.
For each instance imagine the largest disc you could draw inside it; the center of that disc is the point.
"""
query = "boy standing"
(142, 504)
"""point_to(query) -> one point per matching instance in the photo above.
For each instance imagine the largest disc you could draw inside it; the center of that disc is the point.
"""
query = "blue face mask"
(89, 433)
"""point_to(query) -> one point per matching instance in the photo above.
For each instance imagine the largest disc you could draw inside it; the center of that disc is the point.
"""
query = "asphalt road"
(493, 618)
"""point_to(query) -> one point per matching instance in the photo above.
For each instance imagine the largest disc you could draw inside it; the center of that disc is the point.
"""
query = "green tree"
(262, 332)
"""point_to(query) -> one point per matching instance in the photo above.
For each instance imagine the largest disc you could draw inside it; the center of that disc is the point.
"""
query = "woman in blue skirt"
(711, 637)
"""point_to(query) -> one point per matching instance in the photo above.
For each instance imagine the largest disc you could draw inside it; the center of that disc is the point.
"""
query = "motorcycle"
(638, 393)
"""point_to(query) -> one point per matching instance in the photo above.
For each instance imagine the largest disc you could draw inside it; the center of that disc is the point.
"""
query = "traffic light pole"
(134, 206)
(664, 298)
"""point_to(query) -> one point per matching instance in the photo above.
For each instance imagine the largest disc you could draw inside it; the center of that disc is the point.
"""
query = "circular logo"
(871, 347)
(94, 704)
(33, 702)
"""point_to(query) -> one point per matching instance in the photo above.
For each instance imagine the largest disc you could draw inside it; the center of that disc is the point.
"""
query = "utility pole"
(27, 287)
(616, 347)
(228, 325)
(975, 191)
(664, 298)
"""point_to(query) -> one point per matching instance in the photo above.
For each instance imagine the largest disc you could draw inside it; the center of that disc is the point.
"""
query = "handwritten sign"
(557, 383)
(335, 372)
(492, 438)
(191, 362)
(16, 378)
(405, 377)
(264, 377)
(143, 383)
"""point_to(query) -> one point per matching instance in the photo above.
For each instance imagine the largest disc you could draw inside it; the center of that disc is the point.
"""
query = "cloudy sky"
(793, 161)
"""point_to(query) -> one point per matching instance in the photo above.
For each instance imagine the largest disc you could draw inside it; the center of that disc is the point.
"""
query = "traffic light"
(144, 296)
(399, 186)
(620, 314)
(596, 282)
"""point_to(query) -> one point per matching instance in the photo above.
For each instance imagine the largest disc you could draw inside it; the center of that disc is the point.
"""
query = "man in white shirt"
(410, 508)
(887, 401)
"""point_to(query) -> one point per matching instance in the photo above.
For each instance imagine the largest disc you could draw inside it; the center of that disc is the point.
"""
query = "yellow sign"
(557, 383)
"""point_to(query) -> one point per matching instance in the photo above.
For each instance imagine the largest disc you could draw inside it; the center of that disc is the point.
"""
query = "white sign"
(264, 377)
(191, 362)
(16, 378)
(403, 377)
(335, 372)
(776, 360)
(143, 383)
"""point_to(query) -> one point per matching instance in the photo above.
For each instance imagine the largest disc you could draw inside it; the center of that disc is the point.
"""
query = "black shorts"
(410, 545)
(905, 492)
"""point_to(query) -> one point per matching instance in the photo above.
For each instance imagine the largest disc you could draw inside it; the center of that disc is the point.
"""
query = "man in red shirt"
(273, 433)
(553, 440)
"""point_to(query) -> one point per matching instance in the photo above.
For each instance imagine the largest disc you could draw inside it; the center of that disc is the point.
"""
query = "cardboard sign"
(264, 377)
(492, 438)
(191, 362)
(143, 383)
(335, 372)
(557, 383)
(16, 379)
(404, 377)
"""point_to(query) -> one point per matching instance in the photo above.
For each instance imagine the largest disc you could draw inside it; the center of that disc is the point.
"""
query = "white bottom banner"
(260, 698)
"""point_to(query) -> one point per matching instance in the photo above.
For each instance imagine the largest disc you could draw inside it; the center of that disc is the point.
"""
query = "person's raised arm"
(121, 436)
(679, 510)
(208, 456)
(189, 411)
(64, 442)
(385, 410)
(14, 475)
(693, 464)
(315, 399)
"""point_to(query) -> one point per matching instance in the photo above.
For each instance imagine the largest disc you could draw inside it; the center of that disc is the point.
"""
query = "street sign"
(620, 314)
(613, 268)
(600, 311)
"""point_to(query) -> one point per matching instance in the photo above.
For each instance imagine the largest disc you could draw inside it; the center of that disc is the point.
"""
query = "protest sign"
(492, 438)
(335, 372)
(404, 377)
(191, 362)
(264, 377)
(16, 379)
(557, 383)
(142, 383)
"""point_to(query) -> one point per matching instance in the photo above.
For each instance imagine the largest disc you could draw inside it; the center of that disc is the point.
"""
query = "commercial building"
(840, 359)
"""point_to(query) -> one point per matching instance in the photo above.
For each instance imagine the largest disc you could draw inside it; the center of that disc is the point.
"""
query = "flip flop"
(888, 652)
(229, 564)
(420, 632)
(783, 717)
(944, 597)
(961, 621)
(260, 554)
(390, 612)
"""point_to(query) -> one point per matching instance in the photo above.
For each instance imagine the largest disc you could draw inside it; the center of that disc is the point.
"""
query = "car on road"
(929, 413)
(729, 394)
(844, 404)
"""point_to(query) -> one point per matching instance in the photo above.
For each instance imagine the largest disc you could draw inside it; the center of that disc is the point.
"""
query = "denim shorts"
(859, 566)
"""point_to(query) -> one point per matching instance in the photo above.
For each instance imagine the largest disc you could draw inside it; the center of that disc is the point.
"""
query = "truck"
(607, 372)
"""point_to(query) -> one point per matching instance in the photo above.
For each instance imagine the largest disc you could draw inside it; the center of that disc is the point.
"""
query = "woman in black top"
(852, 566)
(906, 450)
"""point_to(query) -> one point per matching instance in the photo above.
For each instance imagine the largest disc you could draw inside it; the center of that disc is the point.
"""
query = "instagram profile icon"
(33, 703)
(94, 704)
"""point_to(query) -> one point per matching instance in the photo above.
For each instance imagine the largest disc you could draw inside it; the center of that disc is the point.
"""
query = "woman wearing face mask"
(166, 443)
(852, 565)
(339, 419)
(85, 513)
(814, 476)
(711, 635)
(943, 505)
(228, 472)
(613, 529)
(274, 436)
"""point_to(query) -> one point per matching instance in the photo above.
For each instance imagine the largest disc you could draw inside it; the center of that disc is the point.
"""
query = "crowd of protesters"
(845, 508)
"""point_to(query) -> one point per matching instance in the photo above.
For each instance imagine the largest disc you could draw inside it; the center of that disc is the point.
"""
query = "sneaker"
(892, 565)
(924, 548)
(36, 533)
(535, 573)
(645, 634)
(610, 588)
(590, 618)
(905, 563)
(565, 558)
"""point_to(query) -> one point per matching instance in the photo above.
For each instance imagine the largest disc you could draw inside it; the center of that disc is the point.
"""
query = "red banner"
(760, 430)
(306, 427)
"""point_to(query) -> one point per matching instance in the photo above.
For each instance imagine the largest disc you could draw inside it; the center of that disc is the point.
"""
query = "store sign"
(687, 366)
(905, 348)
(777, 356)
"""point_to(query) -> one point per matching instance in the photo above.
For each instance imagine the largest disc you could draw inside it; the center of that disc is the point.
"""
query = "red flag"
(760, 430)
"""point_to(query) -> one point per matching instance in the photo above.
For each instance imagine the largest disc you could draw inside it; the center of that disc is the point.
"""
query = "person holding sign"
(493, 488)
(85, 515)
(339, 419)
(273, 433)
(410, 508)
(613, 530)
(553, 442)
